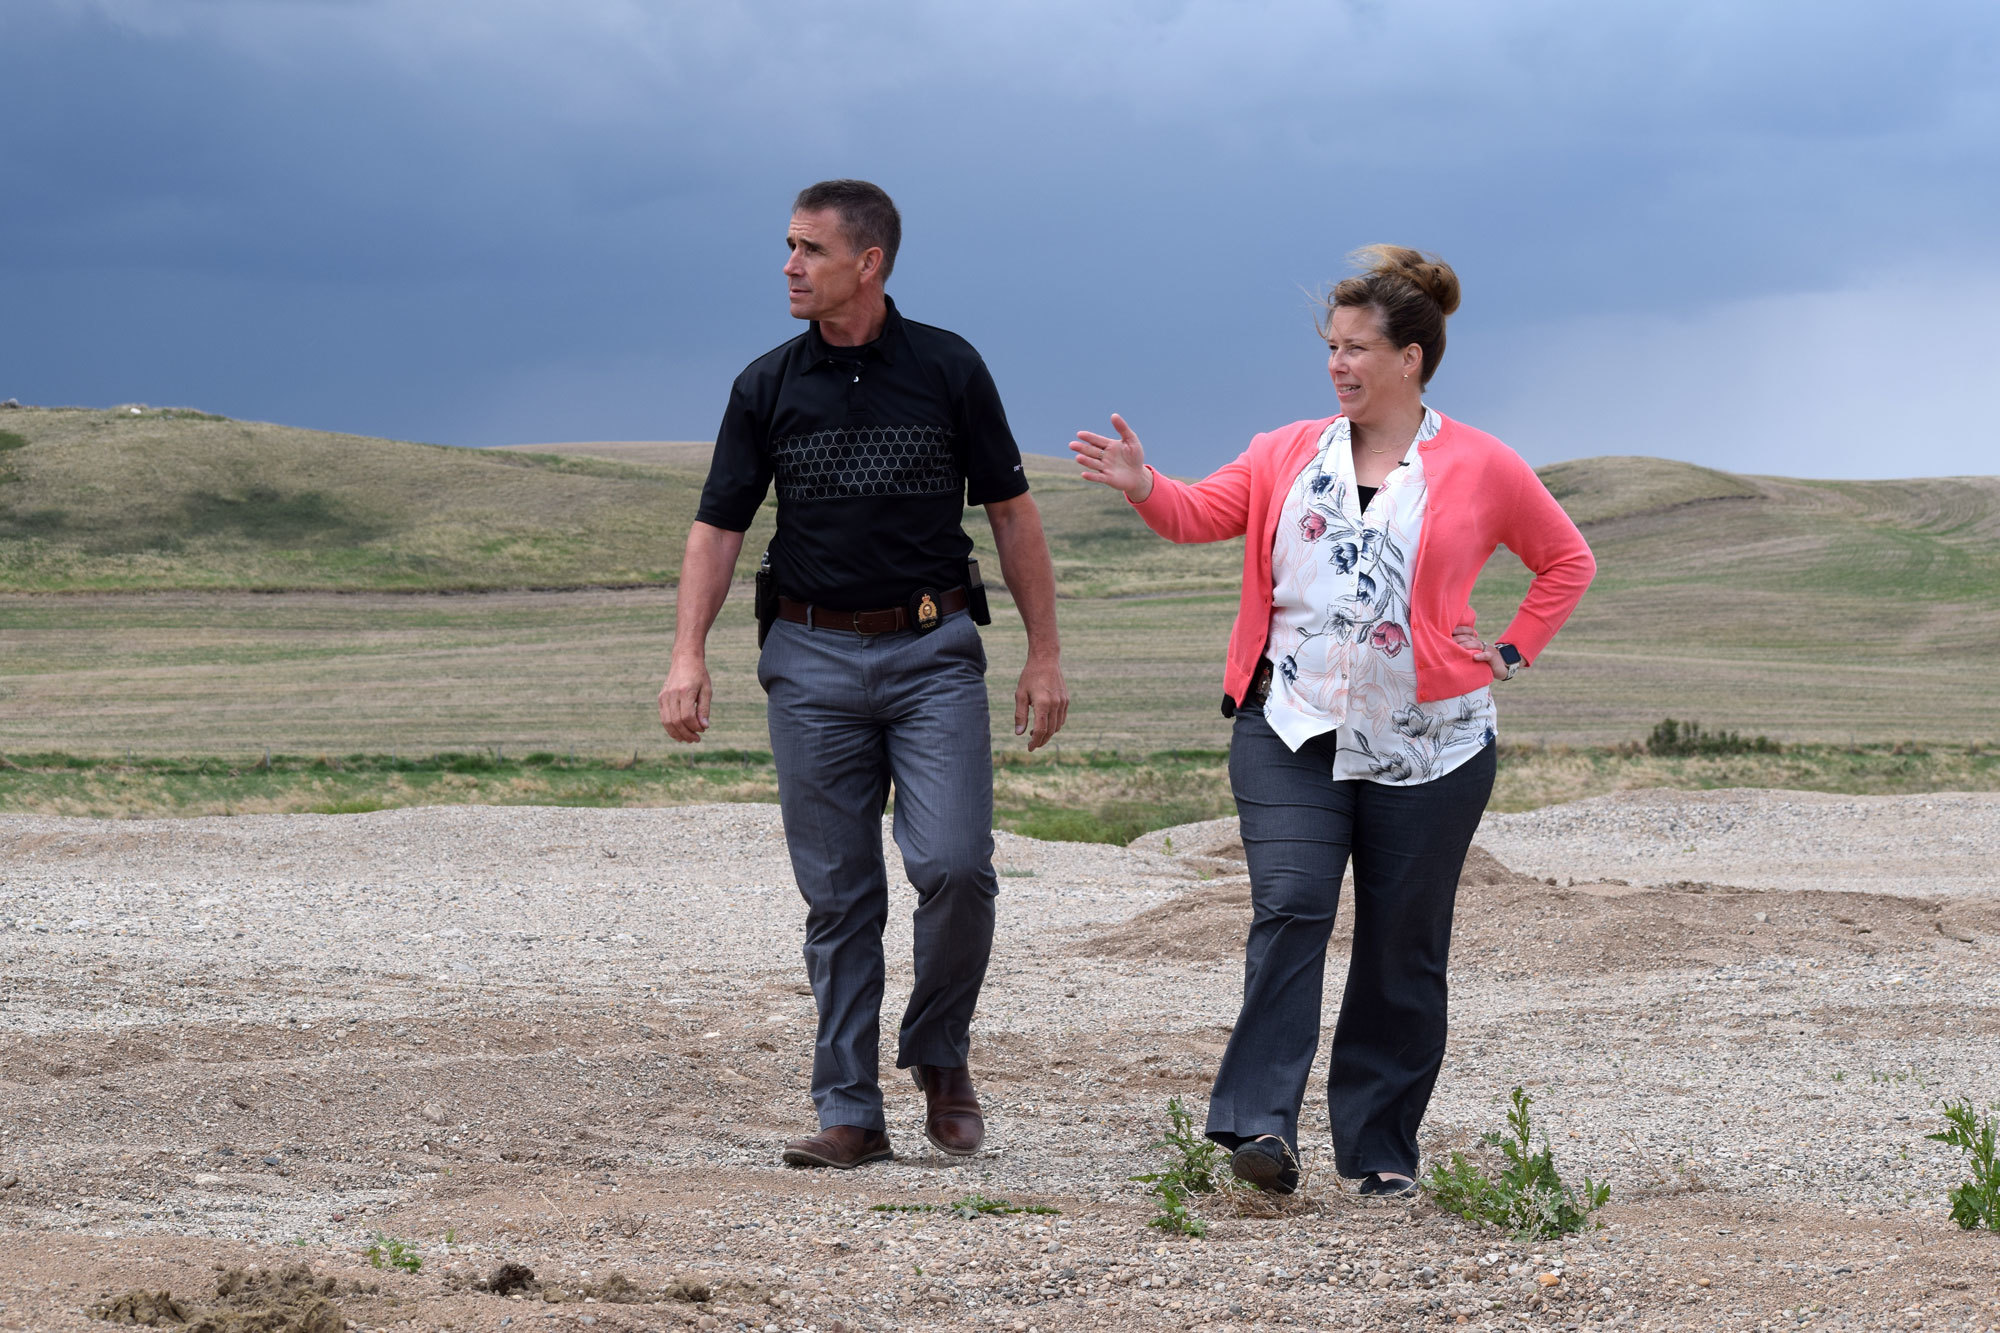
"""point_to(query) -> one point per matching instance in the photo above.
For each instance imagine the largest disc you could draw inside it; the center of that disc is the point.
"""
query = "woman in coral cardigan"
(1364, 723)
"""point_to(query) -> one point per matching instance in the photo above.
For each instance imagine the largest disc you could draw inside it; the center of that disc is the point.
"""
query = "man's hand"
(705, 570)
(684, 701)
(1044, 695)
(1031, 578)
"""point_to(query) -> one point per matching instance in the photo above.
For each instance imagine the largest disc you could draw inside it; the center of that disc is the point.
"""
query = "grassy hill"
(115, 499)
(94, 500)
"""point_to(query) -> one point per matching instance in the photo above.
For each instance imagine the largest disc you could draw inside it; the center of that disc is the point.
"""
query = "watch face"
(1509, 654)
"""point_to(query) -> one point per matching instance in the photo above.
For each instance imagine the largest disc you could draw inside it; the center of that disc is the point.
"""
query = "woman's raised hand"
(1119, 463)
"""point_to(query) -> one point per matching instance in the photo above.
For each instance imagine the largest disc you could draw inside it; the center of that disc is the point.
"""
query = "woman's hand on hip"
(1119, 463)
(1468, 638)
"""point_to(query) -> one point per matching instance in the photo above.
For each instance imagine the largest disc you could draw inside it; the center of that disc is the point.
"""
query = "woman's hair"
(1410, 292)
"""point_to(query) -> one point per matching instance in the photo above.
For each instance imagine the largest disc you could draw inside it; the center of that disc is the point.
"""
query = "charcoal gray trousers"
(1408, 845)
(851, 713)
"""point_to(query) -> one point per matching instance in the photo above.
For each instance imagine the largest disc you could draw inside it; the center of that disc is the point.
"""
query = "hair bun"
(1431, 275)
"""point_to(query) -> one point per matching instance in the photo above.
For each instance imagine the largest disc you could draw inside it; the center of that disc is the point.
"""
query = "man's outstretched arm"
(706, 569)
(1031, 578)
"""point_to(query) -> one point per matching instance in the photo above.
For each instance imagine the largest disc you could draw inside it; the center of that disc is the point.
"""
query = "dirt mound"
(1595, 928)
(1214, 920)
(290, 1300)
(1208, 922)
(1507, 921)
(143, 1309)
(1484, 871)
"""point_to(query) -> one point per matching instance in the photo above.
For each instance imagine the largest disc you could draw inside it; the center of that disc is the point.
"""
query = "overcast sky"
(1760, 236)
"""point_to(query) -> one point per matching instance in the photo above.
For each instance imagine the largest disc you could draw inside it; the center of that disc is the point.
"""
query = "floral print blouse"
(1340, 624)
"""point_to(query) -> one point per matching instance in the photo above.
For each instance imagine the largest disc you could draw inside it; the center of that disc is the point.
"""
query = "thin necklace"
(1384, 449)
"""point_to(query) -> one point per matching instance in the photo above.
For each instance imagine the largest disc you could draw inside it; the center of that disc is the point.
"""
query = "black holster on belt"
(767, 597)
(975, 595)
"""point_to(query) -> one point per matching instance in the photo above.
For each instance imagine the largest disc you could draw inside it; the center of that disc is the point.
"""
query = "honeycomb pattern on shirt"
(853, 461)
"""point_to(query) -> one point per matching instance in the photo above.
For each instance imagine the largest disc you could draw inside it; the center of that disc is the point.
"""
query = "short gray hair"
(868, 216)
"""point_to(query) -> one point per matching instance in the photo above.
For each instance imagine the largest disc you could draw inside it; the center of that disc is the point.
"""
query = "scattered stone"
(434, 1113)
(9, 1181)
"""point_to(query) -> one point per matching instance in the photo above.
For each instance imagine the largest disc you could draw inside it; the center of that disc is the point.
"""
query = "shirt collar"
(1341, 431)
(883, 349)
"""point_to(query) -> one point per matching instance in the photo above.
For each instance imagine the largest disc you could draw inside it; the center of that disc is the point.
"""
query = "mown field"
(1831, 613)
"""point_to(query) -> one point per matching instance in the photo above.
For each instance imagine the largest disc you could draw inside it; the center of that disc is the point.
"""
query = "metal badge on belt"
(924, 613)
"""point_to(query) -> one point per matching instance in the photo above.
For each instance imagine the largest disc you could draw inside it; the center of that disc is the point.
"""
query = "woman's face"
(1371, 378)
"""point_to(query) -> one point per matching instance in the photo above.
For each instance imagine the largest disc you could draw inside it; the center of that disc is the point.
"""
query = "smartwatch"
(1512, 657)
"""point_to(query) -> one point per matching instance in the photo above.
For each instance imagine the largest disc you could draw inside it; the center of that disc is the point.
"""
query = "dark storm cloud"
(486, 221)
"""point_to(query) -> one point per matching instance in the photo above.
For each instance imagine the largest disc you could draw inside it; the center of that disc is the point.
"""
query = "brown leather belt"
(886, 621)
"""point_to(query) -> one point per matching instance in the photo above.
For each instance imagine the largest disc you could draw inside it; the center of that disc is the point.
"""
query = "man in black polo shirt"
(878, 431)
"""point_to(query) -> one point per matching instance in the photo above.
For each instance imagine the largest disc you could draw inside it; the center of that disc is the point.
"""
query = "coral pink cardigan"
(1481, 494)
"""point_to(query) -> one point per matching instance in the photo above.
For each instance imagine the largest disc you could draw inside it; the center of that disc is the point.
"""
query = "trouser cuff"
(843, 1112)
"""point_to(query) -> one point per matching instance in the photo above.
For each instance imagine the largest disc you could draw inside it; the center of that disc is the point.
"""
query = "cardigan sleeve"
(1213, 509)
(1540, 532)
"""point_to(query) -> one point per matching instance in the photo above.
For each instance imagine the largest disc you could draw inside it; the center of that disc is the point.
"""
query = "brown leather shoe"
(952, 1120)
(842, 1147)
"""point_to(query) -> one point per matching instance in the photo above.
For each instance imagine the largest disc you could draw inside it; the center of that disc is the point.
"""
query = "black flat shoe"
(1268, 1164)
(1377, 1186)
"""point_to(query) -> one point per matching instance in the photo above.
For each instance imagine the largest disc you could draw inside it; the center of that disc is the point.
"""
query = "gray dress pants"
(1408, 844)
(849, 714)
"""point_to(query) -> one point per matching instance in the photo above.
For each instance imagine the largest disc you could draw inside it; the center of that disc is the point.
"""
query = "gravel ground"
(1945, 842)
(574, 1039)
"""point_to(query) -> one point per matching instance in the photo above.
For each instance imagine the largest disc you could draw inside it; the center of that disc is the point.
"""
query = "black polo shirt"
(876, 451)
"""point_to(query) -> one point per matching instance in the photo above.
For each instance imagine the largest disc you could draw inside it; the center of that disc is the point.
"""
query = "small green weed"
(972, 1205)
(1527, 1197)
(1683, 738)
(1192, 1163)
(1974, 1203)
(388, 1252)
(359, 805)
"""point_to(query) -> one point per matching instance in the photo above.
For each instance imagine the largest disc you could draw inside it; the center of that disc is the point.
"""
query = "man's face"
(825, 272)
